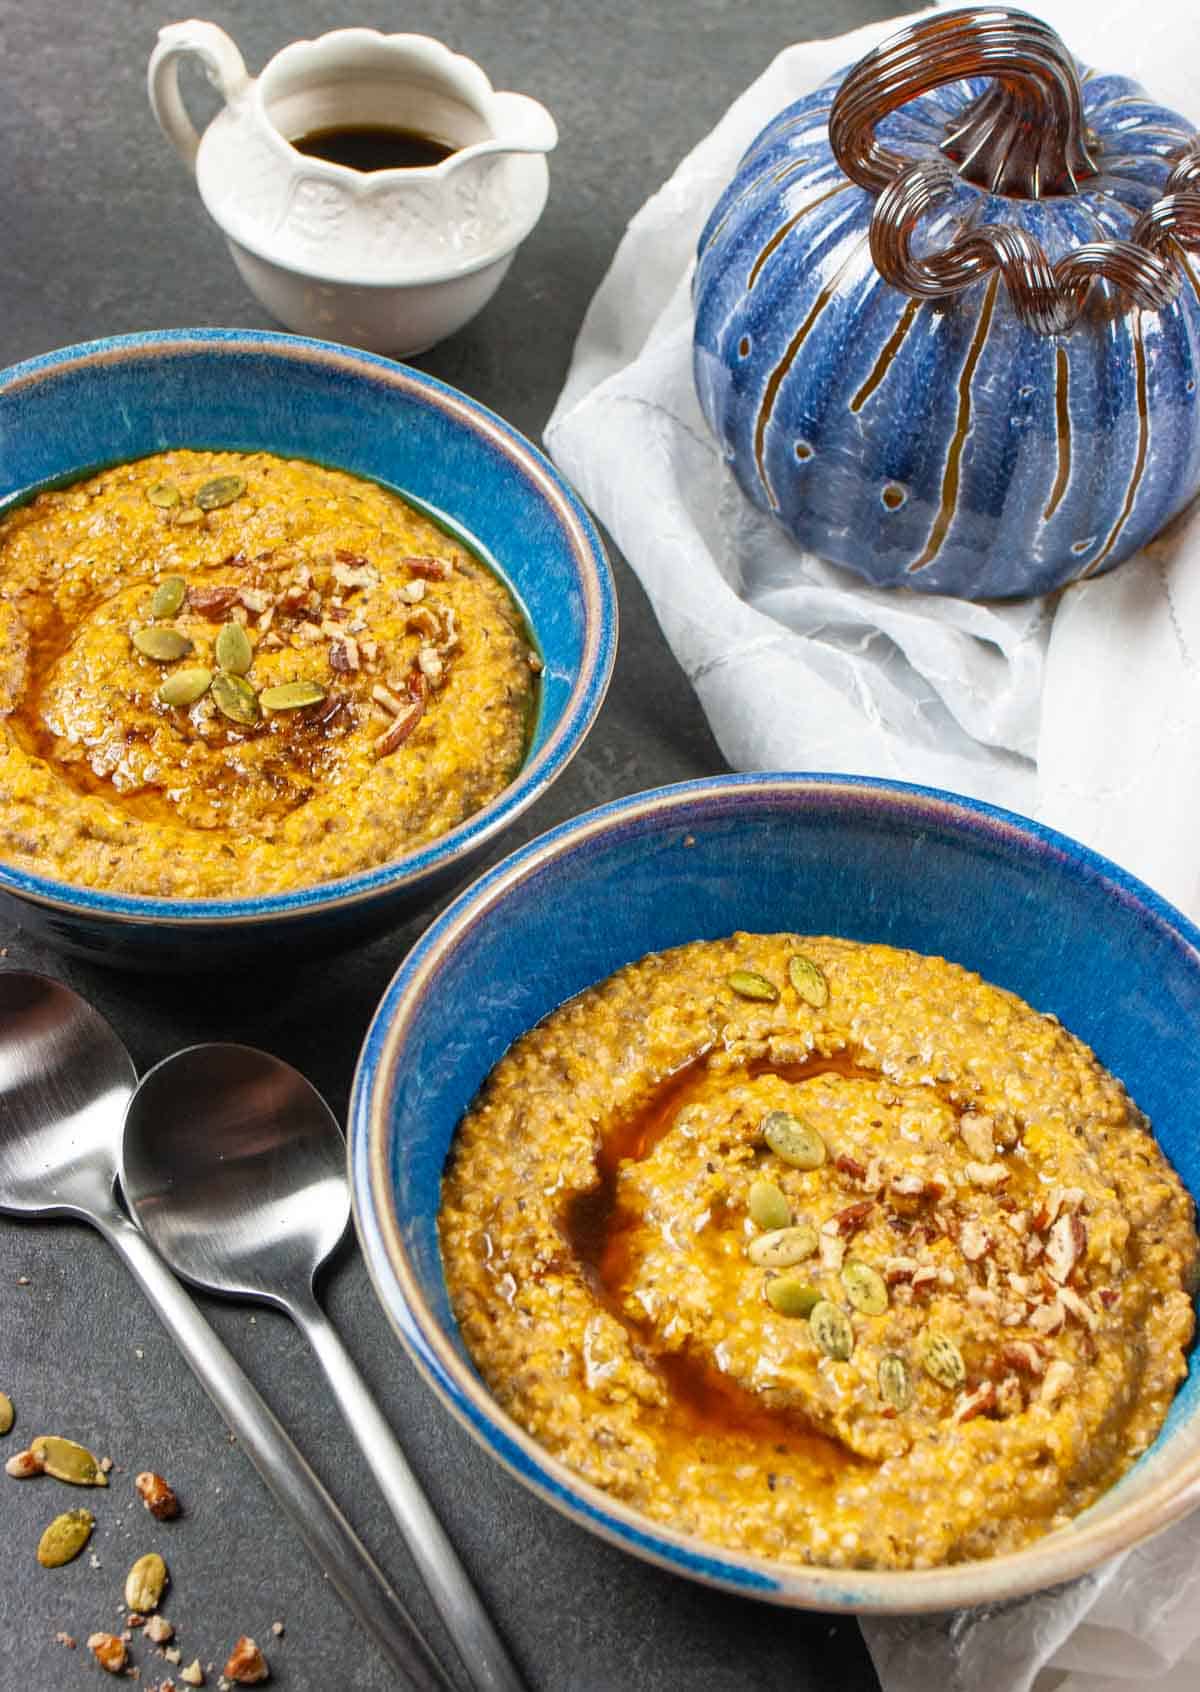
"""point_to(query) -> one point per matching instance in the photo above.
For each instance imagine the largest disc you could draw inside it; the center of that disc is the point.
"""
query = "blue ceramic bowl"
(75, 411)
(1026, 907)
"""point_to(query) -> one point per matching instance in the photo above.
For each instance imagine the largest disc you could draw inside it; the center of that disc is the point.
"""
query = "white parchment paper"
(1082, 710)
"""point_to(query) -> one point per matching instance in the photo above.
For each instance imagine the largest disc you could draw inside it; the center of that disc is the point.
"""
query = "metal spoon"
(65, 1081)
(236, 1168)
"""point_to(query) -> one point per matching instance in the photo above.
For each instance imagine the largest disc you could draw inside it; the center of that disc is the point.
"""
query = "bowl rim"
(1057, 1557)
(580, 709)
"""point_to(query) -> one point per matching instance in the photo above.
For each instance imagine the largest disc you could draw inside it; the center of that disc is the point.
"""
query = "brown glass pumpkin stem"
(1023, 137)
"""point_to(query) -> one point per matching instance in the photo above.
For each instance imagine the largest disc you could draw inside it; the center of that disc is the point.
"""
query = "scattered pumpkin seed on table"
(145, 1583)
(163, 495)
(808, 980)
(7, 1414)
(67, 1461)
(783, 1246)
(942, 1361)
(163, 645)
(895, 1381)
(65, 1538)
(169, 596)
(235, 699)
(748, 984)
(865, 1287)
(790, 1295)
(793, 1140)
(768, 1207)
(292, 696)
(184, 687)
(222, 490)
(832, 1330)
(233, 650)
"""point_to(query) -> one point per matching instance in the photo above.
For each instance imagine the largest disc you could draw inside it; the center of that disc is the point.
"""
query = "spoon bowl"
(65, 1080)
(235, 1168)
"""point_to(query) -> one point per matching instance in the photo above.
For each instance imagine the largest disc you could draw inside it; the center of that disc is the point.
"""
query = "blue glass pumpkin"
(971, 369)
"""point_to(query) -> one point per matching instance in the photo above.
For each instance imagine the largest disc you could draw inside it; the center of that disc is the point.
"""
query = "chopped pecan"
(977, 1136)
(400, 729)
(976, 1403)
(1049, 1208)
(429, 569)
(430, 665)
(1065, 1245)
(974, 1241)
(1058, 1378)
(926, 1276)
(853, 1216)
(156, 1495)
(360, 575)
(986, 1175)
(1108, 1296)
(109, 1651)
(1024, 1356)
(848, 1165)
(212, 601)
(1048, 1318)
(343, 655)
(909, 1186)
(422, 621)
(159, 1630)
(983, 1298)
(246, 1665)
(897, 1269)
(256, 600)
(832, 1246)
(23, 1465)
(1079, 1308)
(1010, 1400)
(1018, 1221)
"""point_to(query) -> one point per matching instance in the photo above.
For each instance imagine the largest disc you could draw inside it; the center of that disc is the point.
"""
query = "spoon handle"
(484, 1657)
(339, 1552)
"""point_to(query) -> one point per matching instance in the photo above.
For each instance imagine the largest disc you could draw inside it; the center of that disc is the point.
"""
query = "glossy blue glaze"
(944, 447)
(1024, 906)
(77, 410)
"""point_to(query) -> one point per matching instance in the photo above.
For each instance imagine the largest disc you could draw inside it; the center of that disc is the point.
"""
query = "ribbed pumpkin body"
(945, 446)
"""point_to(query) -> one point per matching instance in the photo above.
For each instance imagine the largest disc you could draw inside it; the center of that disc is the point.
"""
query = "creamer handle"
(223, 65)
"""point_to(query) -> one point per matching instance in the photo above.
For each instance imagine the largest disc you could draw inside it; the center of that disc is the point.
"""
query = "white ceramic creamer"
(393, 260)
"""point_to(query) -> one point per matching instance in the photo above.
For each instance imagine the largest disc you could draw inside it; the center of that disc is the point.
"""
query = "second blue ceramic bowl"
(1027, 908)
(74, 412)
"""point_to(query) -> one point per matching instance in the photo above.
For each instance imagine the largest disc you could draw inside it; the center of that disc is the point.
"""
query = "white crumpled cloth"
(1082, 711)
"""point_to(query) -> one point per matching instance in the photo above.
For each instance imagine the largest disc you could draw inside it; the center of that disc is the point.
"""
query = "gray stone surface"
(101, 233)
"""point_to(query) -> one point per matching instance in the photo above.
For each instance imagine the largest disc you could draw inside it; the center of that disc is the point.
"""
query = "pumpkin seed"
(767, 1205)
(222, 490)
(188, 518)
(783, 1246)
(184, 687)
(290, 696)
(865, 1288)
(169, 596)
(234, 651)
(163, 645)
(7, 1414)
(792, 1140)
(235, 699)
(65, 1538)
(67, 1461)
(145, 1582)
(792, 1296)
(942, 1361)
(895, 1382)
(748, 984)
(808, 980)
(163, 494)
(831, 1329)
